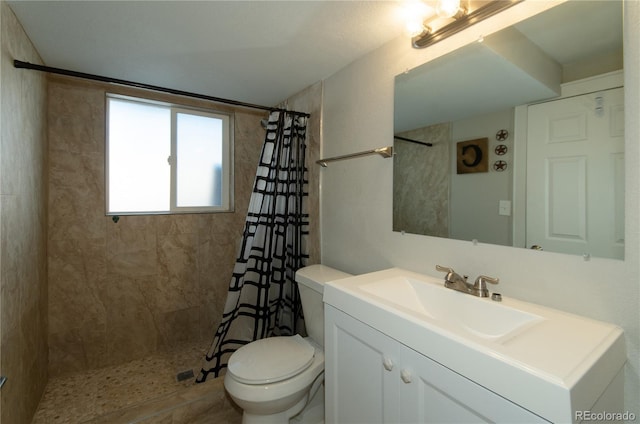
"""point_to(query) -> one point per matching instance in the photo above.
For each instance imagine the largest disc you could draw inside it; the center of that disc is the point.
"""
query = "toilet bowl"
(266, 389)
(274, 379)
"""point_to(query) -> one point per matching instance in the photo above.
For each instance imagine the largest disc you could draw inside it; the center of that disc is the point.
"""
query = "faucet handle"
(450, 273)
(444, 269)
(452, 277)
(480, 286)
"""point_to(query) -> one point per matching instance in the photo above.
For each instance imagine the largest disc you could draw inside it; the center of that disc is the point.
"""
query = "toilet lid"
(270, 360)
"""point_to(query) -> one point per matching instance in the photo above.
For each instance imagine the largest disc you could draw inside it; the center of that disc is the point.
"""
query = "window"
(162, 158)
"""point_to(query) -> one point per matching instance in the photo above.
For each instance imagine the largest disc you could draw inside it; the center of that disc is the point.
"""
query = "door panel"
(567, 198)
(362, 386)
(575, 174)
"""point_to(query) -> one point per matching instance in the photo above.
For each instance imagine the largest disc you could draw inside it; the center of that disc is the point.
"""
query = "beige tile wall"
(123, 291)
(23, 185)
(421, 181)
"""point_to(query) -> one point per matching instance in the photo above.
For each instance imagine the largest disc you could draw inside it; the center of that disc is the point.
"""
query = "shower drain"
(184, 375)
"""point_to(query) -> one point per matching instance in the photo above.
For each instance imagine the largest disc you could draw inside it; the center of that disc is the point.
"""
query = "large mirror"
(518, 139)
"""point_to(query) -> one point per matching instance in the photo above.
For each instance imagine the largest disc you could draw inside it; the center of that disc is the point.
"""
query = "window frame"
(227, 118)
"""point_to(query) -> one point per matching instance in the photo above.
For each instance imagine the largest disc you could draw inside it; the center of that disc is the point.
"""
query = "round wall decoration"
(501, 149)
(499, 165)
(502, 135)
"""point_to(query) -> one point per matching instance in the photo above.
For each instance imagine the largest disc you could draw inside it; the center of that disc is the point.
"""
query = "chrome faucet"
(455, 281)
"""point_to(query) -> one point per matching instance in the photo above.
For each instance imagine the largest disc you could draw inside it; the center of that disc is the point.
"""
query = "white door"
(575, 175)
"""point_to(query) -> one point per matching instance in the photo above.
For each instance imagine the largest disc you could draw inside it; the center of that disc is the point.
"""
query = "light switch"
(504, 207)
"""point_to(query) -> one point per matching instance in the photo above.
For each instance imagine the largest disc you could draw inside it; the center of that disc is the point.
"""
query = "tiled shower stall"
(92, 302)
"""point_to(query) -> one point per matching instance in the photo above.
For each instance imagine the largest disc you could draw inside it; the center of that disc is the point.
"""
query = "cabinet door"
(361, 377)
(432, 393)
(371, 378)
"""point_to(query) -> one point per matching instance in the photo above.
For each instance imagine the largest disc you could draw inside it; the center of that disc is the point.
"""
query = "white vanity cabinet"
(372, 378)
(400, 347)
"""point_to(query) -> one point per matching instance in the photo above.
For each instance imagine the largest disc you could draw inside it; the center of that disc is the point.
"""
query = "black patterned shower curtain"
(263, 300)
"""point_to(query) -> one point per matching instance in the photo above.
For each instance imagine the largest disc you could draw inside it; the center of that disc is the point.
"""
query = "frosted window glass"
(139, 146)
(162, 158)
(199, 167)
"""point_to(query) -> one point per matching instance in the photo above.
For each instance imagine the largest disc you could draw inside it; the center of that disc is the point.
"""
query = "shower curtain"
(263, 300)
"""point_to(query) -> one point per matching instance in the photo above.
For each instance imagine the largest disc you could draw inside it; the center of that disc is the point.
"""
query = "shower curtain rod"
(424, 143)
(52, 70)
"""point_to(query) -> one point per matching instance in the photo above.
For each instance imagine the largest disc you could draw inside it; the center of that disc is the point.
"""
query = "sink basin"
(479, 316)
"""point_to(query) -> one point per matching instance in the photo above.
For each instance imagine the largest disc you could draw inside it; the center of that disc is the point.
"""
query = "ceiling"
(259, 52)
(264, 51)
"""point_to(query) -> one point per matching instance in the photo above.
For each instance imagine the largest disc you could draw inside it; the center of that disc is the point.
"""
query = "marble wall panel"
(131, 330)
(421, 181)
(122, 291)
(23, 225)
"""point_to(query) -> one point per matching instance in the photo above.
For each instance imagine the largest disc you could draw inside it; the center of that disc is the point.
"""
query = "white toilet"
(275, 379)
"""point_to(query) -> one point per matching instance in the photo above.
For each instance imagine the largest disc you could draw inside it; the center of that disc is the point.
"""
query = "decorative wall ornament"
(502, 135)
(501, 149)
(472, 156)
(500, 166)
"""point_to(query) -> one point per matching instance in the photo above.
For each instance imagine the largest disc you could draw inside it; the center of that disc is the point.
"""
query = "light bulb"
(414, 27)
(414, 13)
(448, 8)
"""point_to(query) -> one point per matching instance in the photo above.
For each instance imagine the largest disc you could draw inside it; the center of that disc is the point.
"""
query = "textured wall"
(357, 195)
(421, 181)
(23, 274)
(121, 291)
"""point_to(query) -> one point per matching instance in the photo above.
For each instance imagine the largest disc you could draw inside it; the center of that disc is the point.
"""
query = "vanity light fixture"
(419, 15)
(463, 17)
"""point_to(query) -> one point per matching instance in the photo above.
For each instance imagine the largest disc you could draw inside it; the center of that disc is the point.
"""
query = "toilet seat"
(271, 360)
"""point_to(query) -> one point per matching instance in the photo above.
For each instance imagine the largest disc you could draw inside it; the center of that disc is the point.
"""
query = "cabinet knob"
(405, 376)
(387, 363)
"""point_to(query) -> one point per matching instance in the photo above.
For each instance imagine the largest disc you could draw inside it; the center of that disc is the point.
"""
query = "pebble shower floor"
(141, 391)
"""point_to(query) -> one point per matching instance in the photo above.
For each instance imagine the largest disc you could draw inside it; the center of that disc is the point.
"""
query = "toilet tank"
(311, 280)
